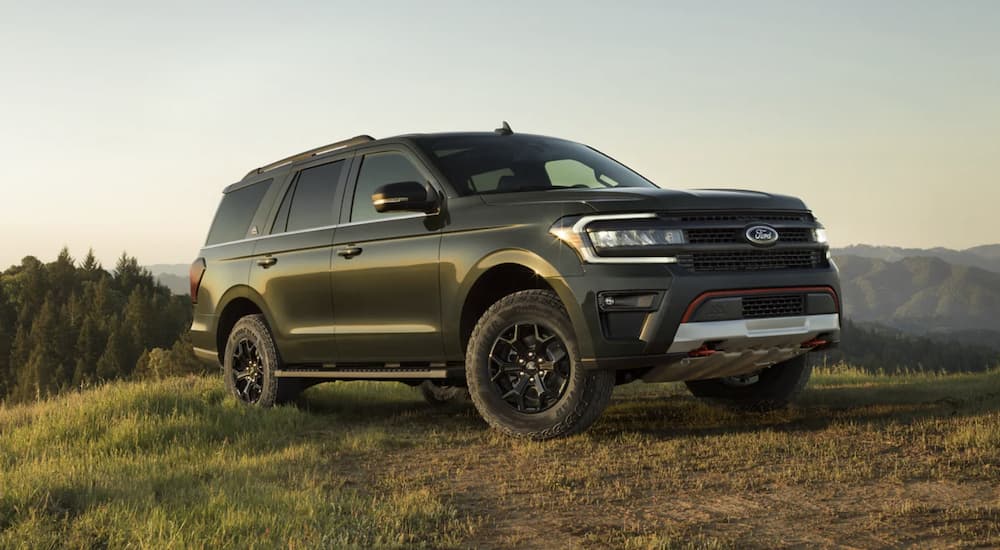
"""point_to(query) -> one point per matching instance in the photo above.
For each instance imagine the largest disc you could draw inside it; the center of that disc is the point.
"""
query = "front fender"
(523, 258)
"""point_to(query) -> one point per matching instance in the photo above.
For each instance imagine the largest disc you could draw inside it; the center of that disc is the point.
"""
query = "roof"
(363, 139)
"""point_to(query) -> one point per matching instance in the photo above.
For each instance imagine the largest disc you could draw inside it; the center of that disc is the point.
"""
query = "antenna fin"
(504, 130)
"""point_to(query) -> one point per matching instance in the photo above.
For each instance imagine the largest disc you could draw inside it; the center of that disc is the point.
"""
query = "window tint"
(235, 213)
(376, 170)
(313, 194)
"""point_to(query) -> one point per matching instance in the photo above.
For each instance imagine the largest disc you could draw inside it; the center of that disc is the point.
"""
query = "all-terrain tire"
(776, 387)
(437, 394)
(253, 329)
(586, 395)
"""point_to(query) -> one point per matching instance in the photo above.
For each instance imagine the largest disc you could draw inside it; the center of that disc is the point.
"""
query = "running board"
(366, 373)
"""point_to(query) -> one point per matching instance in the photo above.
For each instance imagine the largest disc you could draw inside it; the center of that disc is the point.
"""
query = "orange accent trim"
(703, 351)
(814, 343)
(716, 293)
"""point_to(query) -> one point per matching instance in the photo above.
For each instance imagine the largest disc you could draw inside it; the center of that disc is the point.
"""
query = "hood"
(632, 199)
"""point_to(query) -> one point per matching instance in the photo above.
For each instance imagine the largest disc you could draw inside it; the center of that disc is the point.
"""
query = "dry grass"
(864, 461)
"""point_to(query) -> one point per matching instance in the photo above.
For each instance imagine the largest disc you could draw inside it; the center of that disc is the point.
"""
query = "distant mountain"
(987, 251)
(173, 276)
(985, 256)
(925, 295)
(180, 270)
(177, 285)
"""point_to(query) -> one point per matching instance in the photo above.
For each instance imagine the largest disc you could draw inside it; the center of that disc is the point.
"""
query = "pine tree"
(112, 363)
(89, 348)
(62, 276)
(139, 318)
(129, 275)
(45, 367)
(91, 268)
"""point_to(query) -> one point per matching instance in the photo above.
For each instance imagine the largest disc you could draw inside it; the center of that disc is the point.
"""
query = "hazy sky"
(120, 123)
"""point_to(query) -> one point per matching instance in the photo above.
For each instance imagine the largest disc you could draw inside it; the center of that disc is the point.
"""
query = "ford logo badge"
(762, 235)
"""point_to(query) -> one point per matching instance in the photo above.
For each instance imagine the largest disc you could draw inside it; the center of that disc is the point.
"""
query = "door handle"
(267, 262)
(349, 251)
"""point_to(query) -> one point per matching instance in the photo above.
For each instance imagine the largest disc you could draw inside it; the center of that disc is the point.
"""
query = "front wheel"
(250, 363)
(523, 373)
(768, 389)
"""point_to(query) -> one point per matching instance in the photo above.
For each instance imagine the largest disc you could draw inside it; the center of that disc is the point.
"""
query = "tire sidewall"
(256, 331)
(495, 321)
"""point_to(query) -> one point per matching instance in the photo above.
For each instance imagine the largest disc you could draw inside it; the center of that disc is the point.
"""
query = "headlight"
(616, 238)
(819, 235)
(619, 238)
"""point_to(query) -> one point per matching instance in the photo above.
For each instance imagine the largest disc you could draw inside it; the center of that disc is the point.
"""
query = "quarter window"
(376, 170)
(235, 213)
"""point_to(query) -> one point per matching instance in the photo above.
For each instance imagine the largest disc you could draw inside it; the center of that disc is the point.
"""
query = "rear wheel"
(251, 360)
(522, 369)
(772, 388)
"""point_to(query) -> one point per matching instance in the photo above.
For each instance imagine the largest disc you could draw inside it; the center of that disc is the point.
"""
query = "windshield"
(484, 164)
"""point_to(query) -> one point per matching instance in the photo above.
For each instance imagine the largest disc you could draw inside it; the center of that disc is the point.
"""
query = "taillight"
(197, 272)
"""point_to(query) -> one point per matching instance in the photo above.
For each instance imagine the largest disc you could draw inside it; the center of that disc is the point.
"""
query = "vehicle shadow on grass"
(670, 416)
(388, 405)
(668, 413)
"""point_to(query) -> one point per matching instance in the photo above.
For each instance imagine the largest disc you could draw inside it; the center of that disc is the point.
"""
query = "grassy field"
(863, 461)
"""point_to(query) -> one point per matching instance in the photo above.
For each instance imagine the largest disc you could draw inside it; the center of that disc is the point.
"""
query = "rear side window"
(235, 213)
(309, 202)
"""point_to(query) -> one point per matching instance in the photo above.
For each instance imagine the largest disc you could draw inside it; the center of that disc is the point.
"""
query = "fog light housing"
(629, 300)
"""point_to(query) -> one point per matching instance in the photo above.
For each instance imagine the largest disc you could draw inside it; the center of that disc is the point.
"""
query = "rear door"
(291, 266)
(386, 290)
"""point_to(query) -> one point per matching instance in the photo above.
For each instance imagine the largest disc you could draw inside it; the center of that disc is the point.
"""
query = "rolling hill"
(922, 295)
(985, 257)
(173, 276)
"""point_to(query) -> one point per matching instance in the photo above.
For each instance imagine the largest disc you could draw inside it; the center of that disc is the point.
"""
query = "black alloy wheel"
(529, 367)
(248, 371)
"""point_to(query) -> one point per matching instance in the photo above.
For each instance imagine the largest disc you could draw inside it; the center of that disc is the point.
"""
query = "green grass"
(863, 460)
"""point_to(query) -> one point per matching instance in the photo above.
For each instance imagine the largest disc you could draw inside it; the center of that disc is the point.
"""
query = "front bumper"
(665, 335)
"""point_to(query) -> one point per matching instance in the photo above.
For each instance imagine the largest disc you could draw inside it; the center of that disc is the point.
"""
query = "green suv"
(528, 273)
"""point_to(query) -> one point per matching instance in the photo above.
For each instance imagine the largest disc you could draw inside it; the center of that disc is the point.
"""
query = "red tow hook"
(814, 343)
(703, 351)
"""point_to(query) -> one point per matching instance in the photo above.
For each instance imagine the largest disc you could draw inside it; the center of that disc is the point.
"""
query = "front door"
(291, 266)
(386, 291)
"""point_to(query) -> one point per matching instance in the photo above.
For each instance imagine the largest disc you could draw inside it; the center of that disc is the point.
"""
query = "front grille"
(736, 235)
(785, 305)
(746, 217)
(751, 260)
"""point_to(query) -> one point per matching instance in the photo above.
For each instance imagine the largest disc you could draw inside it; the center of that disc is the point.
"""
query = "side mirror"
(405, 196)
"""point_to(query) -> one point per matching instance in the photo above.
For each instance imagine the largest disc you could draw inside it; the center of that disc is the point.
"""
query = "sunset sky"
(120, 123)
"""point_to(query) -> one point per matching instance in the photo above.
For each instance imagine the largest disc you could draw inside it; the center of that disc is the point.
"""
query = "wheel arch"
(237, 303)
(499, 274)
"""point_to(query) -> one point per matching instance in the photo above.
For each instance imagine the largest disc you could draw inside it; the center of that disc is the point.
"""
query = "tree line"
(877, 348)
(67, 325)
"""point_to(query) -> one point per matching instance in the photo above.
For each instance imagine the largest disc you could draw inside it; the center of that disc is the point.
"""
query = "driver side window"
(376, 170)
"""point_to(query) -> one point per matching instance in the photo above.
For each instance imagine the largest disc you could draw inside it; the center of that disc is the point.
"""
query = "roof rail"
(356, 140)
